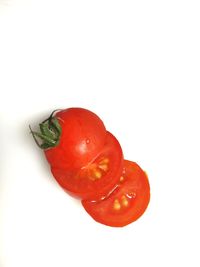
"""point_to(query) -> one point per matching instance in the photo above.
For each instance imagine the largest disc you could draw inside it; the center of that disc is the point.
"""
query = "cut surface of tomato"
(98, 177)
(126, 203)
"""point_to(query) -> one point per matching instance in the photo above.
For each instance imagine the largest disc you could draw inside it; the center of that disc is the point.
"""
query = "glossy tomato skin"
(98, 177)
(83, 136)
(126, 203)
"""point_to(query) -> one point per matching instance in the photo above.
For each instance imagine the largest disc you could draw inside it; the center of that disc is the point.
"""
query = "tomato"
(83, 136)
(71, 138)
(98, 177)
(87, 161)
(126, 203)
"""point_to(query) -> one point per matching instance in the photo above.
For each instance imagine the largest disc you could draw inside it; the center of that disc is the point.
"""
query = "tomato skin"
(126, 203)
(83, 183)
(83, 136)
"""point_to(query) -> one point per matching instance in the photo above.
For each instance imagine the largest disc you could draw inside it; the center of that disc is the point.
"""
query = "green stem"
(49, 135)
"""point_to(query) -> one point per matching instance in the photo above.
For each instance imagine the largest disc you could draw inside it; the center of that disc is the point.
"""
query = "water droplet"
(131, 195)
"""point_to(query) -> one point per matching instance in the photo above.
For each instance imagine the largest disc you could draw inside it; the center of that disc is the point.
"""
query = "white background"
(137, 65)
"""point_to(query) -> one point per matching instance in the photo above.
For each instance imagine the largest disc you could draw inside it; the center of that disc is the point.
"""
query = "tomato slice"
(126, 203)
(82, 136)
(98, 177)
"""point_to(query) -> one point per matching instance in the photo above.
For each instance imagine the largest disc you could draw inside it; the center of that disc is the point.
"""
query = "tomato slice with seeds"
(96, 179)
(126, 203)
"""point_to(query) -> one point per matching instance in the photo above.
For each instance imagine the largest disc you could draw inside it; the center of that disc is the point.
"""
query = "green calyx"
(49, 135)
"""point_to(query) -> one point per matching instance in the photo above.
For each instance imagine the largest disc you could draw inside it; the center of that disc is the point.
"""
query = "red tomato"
(98, 177)
(82, 136)
(126, 203)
